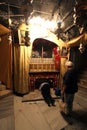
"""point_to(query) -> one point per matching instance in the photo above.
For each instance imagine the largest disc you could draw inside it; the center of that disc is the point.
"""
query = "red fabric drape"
(57, 58)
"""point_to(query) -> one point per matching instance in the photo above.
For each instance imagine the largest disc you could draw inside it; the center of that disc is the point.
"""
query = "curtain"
(6, 62)
(21, 69)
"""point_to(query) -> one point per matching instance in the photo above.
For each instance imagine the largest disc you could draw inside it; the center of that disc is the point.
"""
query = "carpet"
(36, 96)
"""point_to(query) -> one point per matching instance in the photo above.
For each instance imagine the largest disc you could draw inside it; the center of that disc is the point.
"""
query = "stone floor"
(7, 120)
(36, 115)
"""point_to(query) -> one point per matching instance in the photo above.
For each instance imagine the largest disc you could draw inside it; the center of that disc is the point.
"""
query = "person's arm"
(63, 89)
(66, 80)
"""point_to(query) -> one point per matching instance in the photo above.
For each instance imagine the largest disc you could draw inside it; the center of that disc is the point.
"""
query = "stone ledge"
(5, 93)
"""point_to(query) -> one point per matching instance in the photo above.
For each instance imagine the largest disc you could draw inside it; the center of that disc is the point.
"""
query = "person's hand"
(62, 95)
(62, 92)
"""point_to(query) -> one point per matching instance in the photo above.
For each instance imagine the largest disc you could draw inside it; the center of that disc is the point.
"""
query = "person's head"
(69, 64)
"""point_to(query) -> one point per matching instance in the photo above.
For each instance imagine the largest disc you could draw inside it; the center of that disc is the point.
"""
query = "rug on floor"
(36, 96)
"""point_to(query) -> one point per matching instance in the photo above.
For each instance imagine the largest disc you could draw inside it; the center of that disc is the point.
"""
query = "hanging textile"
(21, 69)
(56, 58)
(6, 62)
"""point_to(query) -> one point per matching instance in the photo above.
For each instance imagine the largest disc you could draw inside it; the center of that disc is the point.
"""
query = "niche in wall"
(42, 48)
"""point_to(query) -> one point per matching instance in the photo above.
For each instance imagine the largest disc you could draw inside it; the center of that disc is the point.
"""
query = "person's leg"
(71, 103)
(45, 94)
(48, 95)
(53, 102)
(50, 98)
(69, 100)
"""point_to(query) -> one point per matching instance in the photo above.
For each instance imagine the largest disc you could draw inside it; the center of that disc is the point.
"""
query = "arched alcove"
(42, 48)
(42, 63)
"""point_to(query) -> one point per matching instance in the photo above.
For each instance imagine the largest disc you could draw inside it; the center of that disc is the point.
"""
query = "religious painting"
(24, 38)
(64, 51)
(21, 34)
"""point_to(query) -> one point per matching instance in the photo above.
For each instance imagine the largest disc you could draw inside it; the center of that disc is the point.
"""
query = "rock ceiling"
(73, 13)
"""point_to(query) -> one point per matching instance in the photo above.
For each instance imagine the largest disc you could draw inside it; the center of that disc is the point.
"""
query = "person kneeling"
(45, 91)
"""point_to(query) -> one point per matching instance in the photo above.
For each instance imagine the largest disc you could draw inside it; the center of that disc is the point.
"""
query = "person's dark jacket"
(70, 80)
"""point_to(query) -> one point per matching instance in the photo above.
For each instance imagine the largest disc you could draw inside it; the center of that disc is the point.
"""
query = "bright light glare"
(40, 27)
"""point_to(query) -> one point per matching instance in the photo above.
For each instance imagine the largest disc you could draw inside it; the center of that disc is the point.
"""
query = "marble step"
(2, 87)
(81, 98)
(83, 80)
(82, 85)
(6, 103)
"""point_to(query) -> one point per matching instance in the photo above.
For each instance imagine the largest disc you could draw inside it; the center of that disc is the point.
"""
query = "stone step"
(83, 80)
(2, 87)
(6, 103)
(82, 85)
(81, 97)
(83, 75)
(84, 72)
